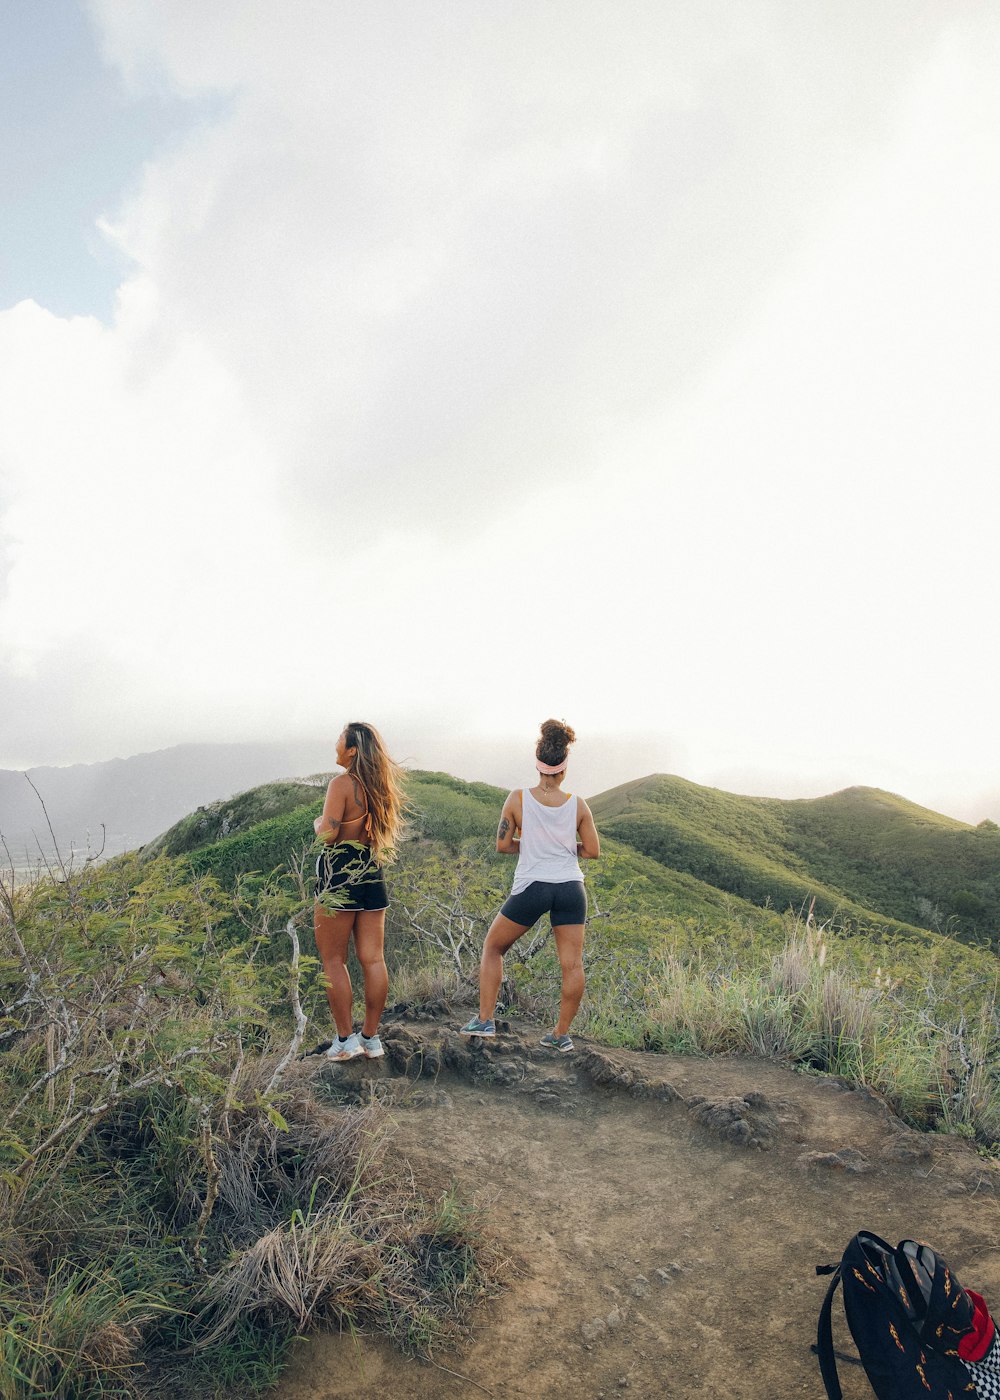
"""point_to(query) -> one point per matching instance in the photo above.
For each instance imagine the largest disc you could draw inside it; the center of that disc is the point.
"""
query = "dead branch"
(212, 1174)
(300, 1016)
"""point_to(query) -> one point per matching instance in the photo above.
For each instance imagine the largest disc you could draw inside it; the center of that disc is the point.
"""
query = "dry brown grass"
(367, 1252)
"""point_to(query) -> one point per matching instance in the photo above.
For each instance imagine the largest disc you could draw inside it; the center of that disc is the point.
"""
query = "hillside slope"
(262, 830)
(681, 866)
(860, 851)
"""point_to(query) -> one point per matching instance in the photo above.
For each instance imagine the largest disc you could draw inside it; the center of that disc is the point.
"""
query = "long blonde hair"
(382, 780)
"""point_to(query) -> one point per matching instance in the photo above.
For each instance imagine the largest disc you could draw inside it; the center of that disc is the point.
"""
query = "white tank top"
(548, 843)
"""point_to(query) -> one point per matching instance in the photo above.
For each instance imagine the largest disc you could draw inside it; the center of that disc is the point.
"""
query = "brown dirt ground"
(665, 1215)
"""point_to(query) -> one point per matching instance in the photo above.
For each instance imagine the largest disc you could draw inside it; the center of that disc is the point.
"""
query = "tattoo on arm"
(504, 828)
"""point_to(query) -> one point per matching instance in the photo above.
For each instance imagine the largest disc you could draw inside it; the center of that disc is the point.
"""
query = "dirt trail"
(666, 1214)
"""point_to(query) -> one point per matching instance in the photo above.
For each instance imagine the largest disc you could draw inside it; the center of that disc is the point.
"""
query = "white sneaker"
(371, 1046)
(347, 1049)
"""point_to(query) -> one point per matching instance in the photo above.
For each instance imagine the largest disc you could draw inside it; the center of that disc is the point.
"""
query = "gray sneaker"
(562, 1043)
(371, 1046)
(477, 1027)
(346, 1049)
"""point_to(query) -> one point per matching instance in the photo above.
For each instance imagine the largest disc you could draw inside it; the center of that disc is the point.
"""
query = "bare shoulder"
(339, 789)
(584, 814)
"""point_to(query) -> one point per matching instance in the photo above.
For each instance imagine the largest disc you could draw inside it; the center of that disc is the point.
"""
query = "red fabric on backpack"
(975, 1344)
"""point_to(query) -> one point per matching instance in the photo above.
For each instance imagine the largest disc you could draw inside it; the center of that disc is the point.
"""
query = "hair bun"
(555, 740)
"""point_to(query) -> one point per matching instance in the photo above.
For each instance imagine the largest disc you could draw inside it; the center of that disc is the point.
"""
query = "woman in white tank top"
(550, 832)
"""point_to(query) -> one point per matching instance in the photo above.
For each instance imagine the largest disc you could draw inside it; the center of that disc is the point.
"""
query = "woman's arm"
(507, 842)
(589, 846)
(327, 824)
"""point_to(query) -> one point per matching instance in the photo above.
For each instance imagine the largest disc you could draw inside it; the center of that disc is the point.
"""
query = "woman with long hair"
(550, 832)
(360, 829)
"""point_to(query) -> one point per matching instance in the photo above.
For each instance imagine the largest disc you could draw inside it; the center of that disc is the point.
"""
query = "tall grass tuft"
(793, 1006)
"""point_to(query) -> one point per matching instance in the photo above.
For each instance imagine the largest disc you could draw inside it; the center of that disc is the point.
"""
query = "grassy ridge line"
(884, 849)
(684, 852)
(236, 814)
(644, 905)
(762, 882)
(447, 812)
(862, 851)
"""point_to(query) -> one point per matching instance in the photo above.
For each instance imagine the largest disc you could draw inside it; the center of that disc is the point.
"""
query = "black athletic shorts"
(347, 874)
(565, 901)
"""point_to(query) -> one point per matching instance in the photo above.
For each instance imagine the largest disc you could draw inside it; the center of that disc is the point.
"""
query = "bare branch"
(231, 1086)
(300, 1015)
(212, 1174)
(94, 1112)
(48, 823)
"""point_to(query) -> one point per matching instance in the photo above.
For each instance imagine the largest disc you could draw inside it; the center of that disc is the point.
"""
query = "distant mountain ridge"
(137, 798)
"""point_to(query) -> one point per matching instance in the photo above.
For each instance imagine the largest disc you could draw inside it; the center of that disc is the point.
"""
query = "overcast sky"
(451, 365)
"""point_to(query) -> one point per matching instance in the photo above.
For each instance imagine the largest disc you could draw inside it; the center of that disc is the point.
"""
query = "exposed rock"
(410, 1055)
(872, 1096)
(436, 1010)
(430, 1098)
(746, 1122)
(601, 1068)
(470, 1059)
(907, 1148)
(639, 1287)
(599, 1327)
(848, 1159)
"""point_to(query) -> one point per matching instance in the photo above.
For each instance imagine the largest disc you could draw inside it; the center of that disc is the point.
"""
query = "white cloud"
(472, 367)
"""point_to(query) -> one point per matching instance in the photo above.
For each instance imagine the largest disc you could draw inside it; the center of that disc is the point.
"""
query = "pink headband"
(550, 768)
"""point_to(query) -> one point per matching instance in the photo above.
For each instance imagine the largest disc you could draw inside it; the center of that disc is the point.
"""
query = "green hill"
(864, 855)
(867, 857)
(693, 860)
(697, 938)
(860, 852)
(261, 830)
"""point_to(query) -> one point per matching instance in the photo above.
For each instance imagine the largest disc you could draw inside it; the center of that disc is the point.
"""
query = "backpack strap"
(824, 1336)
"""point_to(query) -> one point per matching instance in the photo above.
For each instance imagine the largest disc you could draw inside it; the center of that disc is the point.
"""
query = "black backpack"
(907, 1312)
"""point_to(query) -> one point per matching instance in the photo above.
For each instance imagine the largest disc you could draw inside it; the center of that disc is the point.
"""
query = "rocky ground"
(665, 1215)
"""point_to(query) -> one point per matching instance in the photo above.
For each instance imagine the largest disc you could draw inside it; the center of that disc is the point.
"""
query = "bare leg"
(569, 946)
(369, 944)
(503, 934)
(333, 933)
